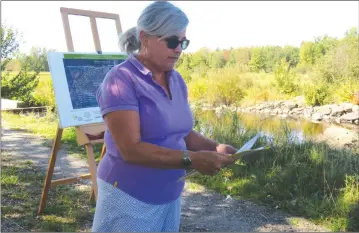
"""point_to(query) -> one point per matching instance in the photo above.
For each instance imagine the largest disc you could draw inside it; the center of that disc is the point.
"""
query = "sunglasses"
(173, 42)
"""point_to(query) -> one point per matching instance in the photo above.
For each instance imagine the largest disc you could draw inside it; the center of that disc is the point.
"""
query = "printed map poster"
(76, 78)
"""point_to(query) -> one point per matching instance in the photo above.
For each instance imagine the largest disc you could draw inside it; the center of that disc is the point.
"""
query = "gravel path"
(202, 209)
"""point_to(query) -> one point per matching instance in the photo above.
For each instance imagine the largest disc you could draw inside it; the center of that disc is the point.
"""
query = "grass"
(307, 179)
(68, 209)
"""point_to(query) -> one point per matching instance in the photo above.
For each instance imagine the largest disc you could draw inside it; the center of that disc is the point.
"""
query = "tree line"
(324, 70)
(241, 75)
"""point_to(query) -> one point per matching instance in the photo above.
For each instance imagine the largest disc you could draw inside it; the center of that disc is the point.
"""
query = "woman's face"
(165, 52)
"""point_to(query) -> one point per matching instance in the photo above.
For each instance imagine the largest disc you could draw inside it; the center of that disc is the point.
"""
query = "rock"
(317, 117)
(308, 112)
(337, 120)
(266, 111)
(259, 107)
(233, 108)
(290, 105)
(298, 111)
(280, 104)
(350, 117)
(219, 110)
(347, 107)
(270, 105)
(285, 111)
(207, 109)
(355, 109)
(337, 110)
(300, 100)
(274, 112)
(326, 118)
(325, 110)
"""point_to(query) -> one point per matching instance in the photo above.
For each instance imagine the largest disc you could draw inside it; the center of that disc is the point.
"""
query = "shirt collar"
(132, 58)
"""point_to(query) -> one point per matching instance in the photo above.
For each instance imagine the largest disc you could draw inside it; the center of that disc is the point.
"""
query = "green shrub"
(197, 89)
(44, 92)
(285, 79)
(316, 94)
(20, 87)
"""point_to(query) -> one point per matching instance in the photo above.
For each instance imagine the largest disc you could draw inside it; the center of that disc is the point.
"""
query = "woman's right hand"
(209, 162)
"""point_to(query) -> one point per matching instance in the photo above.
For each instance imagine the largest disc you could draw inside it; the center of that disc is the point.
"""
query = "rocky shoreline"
(345, 113)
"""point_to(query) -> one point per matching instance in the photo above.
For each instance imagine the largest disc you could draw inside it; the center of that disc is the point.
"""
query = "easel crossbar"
(69, 180)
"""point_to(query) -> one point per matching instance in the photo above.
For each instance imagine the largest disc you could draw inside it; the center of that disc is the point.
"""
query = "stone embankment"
(296, 108)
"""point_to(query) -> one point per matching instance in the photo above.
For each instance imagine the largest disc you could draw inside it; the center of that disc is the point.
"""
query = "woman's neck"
(156, 72)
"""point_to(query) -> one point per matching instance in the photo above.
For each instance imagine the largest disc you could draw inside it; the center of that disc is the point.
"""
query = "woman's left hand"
(226, 149)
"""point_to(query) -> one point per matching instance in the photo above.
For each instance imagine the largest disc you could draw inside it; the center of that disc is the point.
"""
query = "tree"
(291, 55)
(217, 60)
(20, 86)
(311, 52)
(200, 58)
(307, 53)
(340, 62)
(257, 62)
(285, 78)
(36, 60)
(9, 45)
(240, 56)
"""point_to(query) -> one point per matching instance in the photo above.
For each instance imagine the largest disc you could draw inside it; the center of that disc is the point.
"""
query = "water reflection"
(295, 130)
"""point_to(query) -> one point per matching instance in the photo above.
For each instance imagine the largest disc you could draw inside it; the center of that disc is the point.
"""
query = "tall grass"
(306, 179)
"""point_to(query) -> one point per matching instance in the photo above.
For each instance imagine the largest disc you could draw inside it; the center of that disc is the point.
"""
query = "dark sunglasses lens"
(172, 43)
(184, 44)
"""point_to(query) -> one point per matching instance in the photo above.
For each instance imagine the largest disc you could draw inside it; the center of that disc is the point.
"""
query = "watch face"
(187, 161)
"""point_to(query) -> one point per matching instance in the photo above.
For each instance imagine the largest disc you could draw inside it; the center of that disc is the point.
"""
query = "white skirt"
(117, 211)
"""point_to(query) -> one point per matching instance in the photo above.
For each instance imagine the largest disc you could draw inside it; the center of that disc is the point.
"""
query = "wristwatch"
(187, 162)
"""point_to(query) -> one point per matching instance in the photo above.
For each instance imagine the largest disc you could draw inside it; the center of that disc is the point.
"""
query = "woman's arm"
(197, 142)
(125, 129)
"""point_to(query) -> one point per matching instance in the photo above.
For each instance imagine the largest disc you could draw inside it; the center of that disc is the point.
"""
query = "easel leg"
(103, 151)
(50, 170)
(92, 167)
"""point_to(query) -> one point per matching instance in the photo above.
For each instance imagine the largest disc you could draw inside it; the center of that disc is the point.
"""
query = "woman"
(149, 138)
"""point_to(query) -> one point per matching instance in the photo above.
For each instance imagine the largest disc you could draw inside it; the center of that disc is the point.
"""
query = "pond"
(294, 130)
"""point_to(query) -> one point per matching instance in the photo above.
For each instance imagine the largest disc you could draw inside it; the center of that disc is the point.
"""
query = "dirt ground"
(202, 209)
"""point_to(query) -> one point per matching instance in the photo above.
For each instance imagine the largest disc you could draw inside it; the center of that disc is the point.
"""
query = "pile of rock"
(343, 113)
(340, 113)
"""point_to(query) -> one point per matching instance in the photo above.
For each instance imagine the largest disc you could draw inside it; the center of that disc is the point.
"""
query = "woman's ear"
(143, 38)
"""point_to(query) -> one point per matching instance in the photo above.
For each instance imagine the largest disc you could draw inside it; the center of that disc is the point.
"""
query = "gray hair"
(158, 19)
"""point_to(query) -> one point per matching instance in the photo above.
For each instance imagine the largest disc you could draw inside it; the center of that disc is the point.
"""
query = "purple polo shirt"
(164, 122)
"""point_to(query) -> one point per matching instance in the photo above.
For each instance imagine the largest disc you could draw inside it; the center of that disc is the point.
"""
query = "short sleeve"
(116, 92)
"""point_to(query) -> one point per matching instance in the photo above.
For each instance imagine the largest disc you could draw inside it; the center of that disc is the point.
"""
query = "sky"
(215, 24)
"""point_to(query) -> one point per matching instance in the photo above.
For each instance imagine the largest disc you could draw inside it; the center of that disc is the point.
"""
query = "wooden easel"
(87, 135)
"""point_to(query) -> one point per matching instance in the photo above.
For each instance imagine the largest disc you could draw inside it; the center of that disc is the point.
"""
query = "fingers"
(225, 160)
